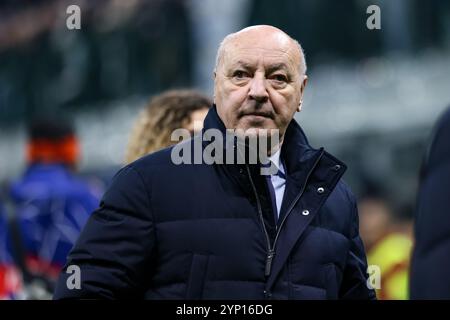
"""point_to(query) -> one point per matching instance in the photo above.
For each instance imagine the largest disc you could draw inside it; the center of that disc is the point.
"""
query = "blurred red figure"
(10, 279)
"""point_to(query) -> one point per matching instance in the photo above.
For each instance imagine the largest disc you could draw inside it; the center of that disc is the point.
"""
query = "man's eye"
(240, 74)
(280, 77)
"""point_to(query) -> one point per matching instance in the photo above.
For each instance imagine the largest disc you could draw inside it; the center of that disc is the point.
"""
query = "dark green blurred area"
(44, 68)
(61, 69)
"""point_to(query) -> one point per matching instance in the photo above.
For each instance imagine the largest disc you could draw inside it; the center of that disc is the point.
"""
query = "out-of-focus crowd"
(43, 211)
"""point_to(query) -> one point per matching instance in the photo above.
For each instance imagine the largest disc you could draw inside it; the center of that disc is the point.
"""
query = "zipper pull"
(269, 259)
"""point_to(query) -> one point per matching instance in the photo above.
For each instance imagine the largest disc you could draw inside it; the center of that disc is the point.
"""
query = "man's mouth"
(258, 115)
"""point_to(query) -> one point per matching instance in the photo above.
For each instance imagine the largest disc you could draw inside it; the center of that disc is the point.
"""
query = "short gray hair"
(221, 51)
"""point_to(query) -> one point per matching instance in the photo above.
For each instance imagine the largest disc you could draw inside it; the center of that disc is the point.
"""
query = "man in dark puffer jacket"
(226, 231)
(431, 263)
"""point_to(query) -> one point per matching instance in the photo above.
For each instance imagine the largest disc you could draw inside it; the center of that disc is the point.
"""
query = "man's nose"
(258, 89)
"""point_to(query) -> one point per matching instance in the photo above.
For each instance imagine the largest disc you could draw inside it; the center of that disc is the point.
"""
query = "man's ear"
(304, 82)
(302, 91)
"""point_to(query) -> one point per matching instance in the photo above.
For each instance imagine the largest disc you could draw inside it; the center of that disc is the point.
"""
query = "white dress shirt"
(278, 179)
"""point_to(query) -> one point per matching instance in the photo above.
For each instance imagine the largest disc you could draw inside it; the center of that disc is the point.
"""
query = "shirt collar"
(276, 159)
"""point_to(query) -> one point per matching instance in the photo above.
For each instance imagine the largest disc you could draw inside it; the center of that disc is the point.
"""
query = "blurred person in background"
(430, 269)
(165, 113)
(388, 244)
(50, 203)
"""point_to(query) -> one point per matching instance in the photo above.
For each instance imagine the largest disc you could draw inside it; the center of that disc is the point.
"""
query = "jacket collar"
(296, 152)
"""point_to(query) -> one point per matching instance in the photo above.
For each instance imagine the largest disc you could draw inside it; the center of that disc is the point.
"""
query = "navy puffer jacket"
(166, 231)
(431, 258)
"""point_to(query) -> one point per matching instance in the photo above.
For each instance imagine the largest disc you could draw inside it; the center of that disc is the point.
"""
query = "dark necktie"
(272, 192)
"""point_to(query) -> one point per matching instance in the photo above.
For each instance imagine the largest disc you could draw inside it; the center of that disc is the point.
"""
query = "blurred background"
(372, 96)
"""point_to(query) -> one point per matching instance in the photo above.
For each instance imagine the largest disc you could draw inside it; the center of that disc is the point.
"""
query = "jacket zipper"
(270, 252)
(271, 249)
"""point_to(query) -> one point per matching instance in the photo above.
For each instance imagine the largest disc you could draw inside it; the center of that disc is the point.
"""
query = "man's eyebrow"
(243, 64)
(276, 67)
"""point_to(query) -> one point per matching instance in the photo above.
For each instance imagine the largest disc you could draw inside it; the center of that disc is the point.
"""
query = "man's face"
(257, 82)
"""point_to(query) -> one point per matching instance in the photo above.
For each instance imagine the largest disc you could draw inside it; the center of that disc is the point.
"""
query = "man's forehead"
(272, 44)
(259, 41)
(251, 56)
(260, 44)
